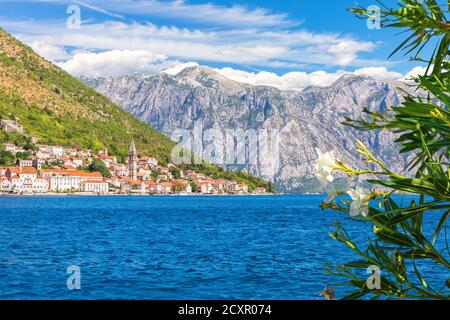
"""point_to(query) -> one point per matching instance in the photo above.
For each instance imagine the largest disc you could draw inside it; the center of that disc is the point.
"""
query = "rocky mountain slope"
(307, 120)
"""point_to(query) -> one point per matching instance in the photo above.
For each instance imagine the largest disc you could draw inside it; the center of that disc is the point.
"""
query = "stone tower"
(132, 162)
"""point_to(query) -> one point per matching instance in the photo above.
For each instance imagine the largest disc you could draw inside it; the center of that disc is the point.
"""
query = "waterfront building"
(217, 186)
(68, 180)
(136, 187)
(260, 190)
(97, 186)
(181, 185)
(204, 187)
(26, 180)
(167, 187)
(154, 187)
(239, 188)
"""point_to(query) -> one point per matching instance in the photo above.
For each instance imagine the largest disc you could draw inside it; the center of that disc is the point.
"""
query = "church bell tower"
(132, 162)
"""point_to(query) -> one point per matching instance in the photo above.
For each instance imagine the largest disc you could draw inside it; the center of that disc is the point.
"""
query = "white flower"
(331, 192)
(324, 167)
(360, 204)
(326, 162)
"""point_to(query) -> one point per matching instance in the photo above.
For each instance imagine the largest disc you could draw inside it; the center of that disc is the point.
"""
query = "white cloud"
(299, 80)
(115, 62)
(346, 50)
(249, 47)
(288, 81)
(414, 72)
(49, 51)
(380, 73)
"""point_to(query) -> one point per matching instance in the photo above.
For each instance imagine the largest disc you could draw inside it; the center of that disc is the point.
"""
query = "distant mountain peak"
(200, 71)
(202, 76)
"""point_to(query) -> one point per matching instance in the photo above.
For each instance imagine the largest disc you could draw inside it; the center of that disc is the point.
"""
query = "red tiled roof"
(151, 183)
(75, 173)
(102, 156)
(94, 181)
(28, 170)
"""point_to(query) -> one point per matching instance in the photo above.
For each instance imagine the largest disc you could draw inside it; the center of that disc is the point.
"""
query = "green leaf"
(408, 213)
(395, 238)
(439, 227)
(417, 253)
(358, 264)
(419, 276)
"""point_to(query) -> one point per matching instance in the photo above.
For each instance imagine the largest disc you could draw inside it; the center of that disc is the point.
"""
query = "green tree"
(422, 122)
(194, 187)
(175, 173)
(23, 155)
(154, 175)
(97, 165)
(177, 187)
(7, 158)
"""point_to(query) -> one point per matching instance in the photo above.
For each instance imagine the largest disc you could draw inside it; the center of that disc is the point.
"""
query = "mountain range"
(307, 119)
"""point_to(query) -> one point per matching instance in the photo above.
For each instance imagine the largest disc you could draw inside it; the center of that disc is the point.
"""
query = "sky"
(286, 44)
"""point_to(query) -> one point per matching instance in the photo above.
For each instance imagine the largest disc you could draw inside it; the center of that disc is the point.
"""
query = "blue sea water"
(171, 247)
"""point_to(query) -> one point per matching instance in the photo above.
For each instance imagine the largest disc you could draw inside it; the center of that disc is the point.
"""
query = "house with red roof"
(68, 180)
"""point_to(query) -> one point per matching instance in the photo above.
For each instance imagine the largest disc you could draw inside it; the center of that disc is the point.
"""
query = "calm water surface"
(265, 247)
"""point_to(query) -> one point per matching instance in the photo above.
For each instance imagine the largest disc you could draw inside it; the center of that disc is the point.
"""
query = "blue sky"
(289, 44)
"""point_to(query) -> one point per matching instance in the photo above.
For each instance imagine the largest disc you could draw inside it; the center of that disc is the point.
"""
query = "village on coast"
(54, 169)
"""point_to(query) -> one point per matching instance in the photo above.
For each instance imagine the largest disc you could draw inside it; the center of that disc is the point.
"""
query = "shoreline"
(133, 195)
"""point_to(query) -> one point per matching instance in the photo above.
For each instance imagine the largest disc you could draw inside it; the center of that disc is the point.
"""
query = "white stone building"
(26, 163)
(68, 180)
(26, 180)
(97, 186)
